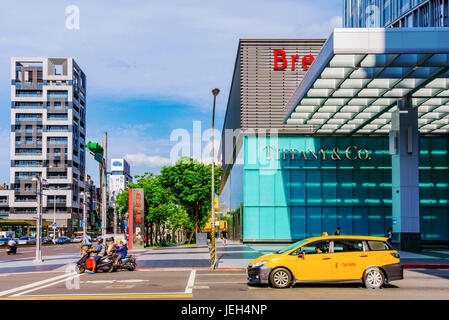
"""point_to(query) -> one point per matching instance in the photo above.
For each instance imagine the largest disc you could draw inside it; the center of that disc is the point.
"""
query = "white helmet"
(124, 242)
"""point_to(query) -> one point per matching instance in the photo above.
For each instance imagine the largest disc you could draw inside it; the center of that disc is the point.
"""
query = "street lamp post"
(215, 92)
(54, 218)
(54, 211)
(40, 182)
(84, 214)
(104, 185)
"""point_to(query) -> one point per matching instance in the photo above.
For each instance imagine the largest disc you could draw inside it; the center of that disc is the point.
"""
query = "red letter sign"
(281, 57)
(307, 60)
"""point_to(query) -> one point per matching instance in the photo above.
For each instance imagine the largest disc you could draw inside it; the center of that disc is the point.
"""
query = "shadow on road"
(354, 285)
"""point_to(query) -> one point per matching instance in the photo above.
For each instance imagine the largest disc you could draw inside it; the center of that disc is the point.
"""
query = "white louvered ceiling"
(357, 93)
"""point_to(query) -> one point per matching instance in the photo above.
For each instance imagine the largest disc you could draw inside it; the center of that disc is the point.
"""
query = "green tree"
(159, 203)
(190, 182)
(121, 204)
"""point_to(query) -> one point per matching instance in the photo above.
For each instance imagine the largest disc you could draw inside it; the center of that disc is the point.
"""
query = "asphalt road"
(29, 251)
(20, 279)
(208, 285)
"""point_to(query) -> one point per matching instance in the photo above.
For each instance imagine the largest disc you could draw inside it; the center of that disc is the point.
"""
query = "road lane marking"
(113, 281)
(34, 284)
(170, 269)
(191, 282)
(103, 296)
(97, 281)
(70, 277)
(218, 282)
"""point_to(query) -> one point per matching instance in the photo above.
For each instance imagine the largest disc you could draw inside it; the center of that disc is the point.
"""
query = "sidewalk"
(236, 255)
(172, 257)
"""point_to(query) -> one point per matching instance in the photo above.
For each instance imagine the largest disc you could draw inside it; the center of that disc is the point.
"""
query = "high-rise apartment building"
(118, 179)
(395, 13)
(48, 132)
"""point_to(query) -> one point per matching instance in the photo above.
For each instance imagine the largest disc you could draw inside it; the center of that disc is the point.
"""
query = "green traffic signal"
(94, 147)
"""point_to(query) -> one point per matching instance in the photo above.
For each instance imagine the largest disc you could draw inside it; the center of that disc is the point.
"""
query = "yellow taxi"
(335, 258)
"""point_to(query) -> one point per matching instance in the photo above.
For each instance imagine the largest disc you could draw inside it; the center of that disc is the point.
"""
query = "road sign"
(53, 224)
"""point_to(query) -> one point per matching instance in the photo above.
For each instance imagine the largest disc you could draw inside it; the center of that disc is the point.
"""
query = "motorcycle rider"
(111, 246)
(12, 245)
(123, 250)
(100, 251)
(86, 244)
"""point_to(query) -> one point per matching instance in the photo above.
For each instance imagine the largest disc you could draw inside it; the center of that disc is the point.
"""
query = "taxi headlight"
(260, 263)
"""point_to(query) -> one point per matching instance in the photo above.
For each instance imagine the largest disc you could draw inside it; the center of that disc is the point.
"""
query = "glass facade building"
(395, 13)
(328, 161)
(286, 196)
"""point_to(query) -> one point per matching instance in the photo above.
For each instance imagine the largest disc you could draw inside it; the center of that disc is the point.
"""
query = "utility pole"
(115, 222)
(54, 218)
(104, 206)
(84, 214)
(39, 188)
(213, 253)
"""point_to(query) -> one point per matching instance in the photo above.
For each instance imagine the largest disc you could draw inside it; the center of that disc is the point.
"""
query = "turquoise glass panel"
(293, 187)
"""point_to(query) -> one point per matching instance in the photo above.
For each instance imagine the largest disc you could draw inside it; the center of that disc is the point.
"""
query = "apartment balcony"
(29, 132)
(32, 144)
(28, 153)
(29, 94)
(58, 203)
(28, 85)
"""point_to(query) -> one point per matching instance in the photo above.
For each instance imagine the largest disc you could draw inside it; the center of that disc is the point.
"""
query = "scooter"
(11, 249)
(105, 264)
(128, 263)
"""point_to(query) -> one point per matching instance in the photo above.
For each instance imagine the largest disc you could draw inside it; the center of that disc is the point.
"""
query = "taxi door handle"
(363, 255)
(325, 258)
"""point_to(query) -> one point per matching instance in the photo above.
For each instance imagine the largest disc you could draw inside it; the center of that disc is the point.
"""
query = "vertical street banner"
(136, 217)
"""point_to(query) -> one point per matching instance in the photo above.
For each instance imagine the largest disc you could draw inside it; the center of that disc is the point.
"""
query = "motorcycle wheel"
(8, 253)
(111, 268)
(132, 267)
(79, 269)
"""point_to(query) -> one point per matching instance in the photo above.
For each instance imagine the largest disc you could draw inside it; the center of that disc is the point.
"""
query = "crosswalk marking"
(35, 284)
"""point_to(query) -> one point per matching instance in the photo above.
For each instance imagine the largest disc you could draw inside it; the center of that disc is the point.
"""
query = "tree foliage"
(190, 182)
(179, 197)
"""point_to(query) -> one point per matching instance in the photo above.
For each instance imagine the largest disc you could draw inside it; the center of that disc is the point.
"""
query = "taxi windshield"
(292, 246)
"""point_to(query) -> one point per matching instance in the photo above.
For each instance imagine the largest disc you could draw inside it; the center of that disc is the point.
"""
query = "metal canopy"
(355, 82)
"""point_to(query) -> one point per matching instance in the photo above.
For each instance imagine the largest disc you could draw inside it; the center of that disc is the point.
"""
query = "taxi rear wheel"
(280, 278)
(373, 278)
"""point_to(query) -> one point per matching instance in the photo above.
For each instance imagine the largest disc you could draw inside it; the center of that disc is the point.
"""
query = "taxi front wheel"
(280, 278)
(373, 278)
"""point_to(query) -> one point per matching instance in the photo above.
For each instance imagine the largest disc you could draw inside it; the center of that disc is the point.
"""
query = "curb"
(424, 266)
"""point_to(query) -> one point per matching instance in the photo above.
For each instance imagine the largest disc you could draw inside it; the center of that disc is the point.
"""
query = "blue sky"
(150, 65)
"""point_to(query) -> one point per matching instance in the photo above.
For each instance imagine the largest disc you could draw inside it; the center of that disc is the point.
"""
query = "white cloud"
(171, 49)
(141, 159)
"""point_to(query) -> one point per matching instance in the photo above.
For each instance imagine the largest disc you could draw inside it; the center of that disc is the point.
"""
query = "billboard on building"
(117, 165)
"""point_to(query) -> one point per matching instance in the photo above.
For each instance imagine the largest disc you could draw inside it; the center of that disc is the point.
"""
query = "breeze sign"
(281, 60)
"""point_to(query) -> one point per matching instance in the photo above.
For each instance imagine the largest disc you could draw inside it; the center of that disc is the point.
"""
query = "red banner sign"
(136, 218)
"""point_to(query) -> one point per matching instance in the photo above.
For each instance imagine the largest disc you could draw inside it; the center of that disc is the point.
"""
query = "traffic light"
(94, 147)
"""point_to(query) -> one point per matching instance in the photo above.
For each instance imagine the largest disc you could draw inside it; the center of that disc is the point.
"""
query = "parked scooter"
(105, 264)
(11, 249)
